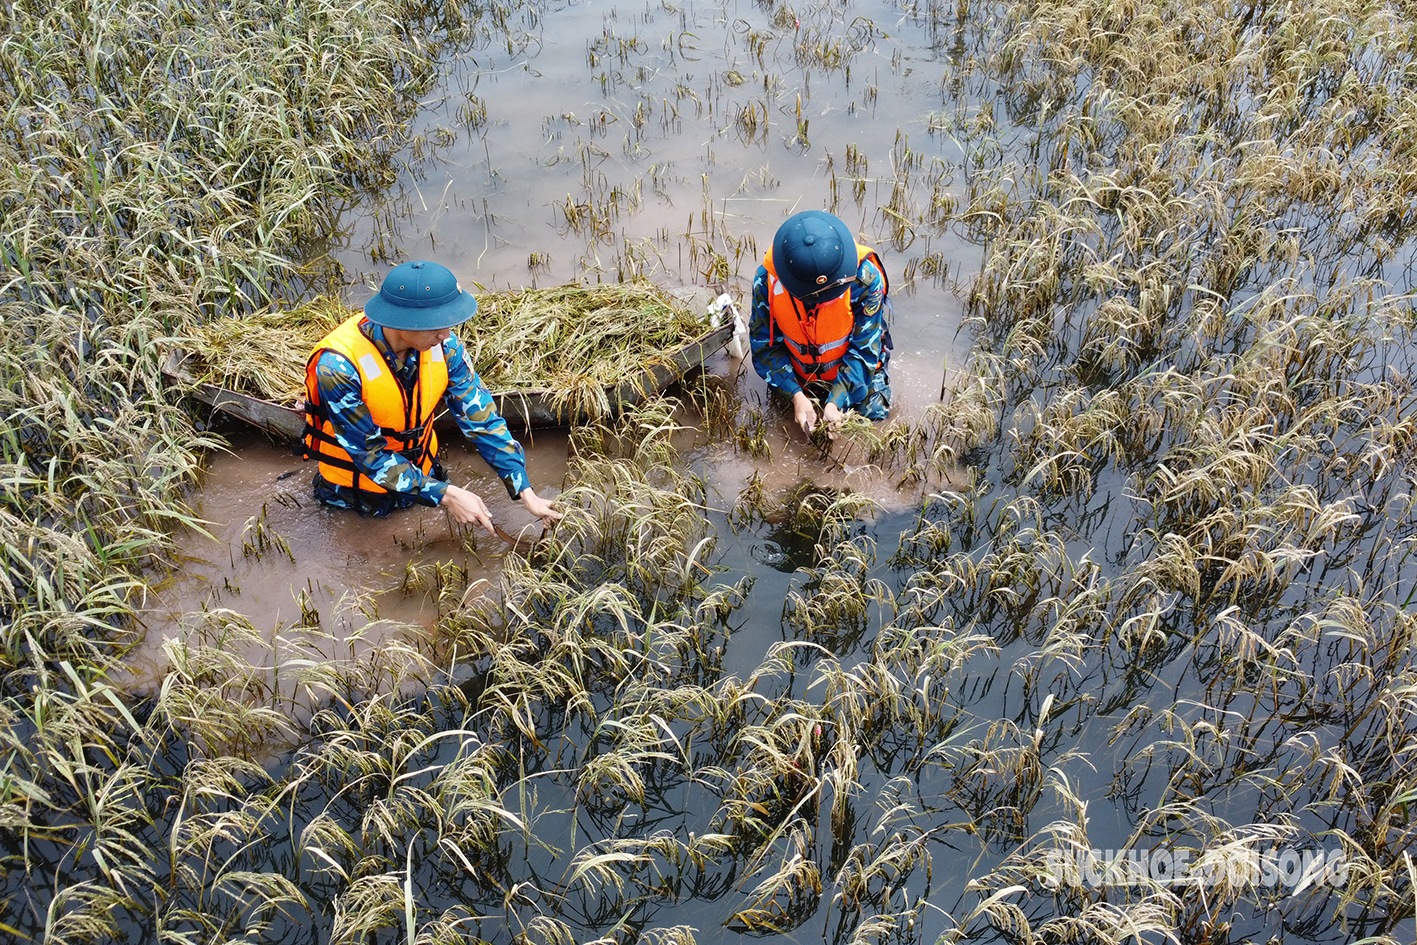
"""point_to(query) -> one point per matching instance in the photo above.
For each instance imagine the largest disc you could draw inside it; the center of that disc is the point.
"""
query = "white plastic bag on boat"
(722, 310)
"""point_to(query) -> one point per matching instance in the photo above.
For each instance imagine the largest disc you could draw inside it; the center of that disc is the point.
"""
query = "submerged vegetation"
(1166, 610)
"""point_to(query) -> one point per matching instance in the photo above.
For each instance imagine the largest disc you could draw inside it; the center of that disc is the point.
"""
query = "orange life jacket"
(406, 422)
(816, 338)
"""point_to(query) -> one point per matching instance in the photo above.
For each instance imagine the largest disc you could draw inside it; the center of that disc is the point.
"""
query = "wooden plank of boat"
(279, 421)
(526, 408)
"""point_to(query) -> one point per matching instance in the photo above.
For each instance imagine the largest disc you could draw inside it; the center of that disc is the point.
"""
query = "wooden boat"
(520, 408)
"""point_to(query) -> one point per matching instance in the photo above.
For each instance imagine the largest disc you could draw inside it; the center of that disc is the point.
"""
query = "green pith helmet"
(814, 252)
(420, 296)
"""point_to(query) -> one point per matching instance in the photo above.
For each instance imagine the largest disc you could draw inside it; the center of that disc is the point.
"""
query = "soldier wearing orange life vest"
(818, 327)
(372, 386)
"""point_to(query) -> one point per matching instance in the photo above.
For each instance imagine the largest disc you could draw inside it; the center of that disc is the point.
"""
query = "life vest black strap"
(347, 465)
(319, 435)
(406, 439)
(302, 446)
(341, 462)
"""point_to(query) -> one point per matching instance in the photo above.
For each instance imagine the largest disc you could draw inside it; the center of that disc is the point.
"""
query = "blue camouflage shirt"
(354, 429)
(868, 346)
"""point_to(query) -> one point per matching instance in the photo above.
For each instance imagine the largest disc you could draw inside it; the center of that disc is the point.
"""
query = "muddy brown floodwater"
(277, 557)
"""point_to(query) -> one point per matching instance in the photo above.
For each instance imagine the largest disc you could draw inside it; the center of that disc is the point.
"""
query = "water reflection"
(594, 142)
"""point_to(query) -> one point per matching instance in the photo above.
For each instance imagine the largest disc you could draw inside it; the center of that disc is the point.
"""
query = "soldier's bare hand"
(832, 415)
(804, 412)
(540, 507)
(467, 508)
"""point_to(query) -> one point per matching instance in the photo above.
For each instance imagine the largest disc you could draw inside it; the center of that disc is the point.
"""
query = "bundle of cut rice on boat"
(550, 355)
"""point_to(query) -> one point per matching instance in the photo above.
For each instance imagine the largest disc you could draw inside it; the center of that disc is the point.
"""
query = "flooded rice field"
(269, 552)
(1104, 635)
